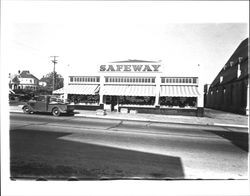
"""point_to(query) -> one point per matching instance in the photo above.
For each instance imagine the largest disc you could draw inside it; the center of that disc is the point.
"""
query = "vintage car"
(47, 103)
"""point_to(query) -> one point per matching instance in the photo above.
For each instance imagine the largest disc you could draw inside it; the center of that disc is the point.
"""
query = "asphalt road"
(87, 148)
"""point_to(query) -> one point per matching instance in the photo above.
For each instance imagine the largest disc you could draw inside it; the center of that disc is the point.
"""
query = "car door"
(40, 104)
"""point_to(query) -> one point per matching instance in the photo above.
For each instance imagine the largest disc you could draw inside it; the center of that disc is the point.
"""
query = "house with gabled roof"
(23, 80)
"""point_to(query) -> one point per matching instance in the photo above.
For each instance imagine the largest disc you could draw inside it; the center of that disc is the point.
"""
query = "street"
(89, 148)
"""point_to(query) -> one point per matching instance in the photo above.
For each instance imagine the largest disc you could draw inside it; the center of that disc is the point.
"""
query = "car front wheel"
(26, 110)
(56, 112)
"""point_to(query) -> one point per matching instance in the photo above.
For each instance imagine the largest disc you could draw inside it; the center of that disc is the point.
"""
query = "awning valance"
(11, 91)
(59, 91)
(129, 90)
(179, 91)
(78, 89)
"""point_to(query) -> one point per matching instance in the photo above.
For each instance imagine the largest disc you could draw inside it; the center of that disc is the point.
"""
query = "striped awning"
(78, 89)
(179, 91)
(128, 90)
(59, 91)
(11, 91)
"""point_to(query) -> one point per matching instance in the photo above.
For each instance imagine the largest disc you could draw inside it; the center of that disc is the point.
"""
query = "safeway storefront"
(135, 85)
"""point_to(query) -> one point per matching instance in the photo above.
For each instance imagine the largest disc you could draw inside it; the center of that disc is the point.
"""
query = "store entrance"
(111, 103)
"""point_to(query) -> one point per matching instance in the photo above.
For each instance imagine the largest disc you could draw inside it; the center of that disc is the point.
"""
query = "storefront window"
(182, 102)
(136, 100)
(83, 99)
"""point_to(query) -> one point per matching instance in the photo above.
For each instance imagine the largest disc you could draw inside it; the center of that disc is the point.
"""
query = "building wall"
(231, 97)
(229, 90)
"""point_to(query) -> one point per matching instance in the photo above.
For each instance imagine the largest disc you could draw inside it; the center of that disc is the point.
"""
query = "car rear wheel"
(26, 110)
(56, 112)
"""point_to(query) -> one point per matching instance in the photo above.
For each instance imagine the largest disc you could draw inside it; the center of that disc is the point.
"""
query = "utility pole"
(54, 61)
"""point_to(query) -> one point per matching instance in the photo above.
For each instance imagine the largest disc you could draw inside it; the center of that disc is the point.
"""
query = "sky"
(86, 34)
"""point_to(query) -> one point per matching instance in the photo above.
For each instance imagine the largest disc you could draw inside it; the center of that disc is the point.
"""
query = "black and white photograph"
(125, 92)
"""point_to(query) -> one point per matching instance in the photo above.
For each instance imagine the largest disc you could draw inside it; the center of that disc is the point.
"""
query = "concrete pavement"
(211, 117)
(163, 150)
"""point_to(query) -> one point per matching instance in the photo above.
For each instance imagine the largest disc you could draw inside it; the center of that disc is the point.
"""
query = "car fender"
(51, 107)
(27, 105)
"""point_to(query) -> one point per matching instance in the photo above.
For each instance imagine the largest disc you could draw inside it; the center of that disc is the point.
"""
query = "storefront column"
(200, 97)
(65, 97)
(200, 104)
(101, 99)
(157, 100)
(157, 92)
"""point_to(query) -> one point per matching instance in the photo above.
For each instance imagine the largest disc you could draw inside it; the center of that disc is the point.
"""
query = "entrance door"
(113, 103)
(40, 105)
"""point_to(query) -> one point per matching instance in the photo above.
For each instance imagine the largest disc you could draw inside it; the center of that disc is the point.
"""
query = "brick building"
(230, 89)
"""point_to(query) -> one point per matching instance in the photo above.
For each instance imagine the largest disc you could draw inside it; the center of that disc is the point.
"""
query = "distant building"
(23, 80)
(42, 82)
(230, 89)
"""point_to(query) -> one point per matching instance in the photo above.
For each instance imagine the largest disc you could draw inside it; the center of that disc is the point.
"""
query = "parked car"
(47, 103)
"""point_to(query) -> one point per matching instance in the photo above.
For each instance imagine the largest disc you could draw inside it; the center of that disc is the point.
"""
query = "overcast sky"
(85, 35)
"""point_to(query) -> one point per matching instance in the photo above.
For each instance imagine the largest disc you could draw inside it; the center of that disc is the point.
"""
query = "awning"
(78, 90)
(59, 91)
(129, 90)
(11, 91)
(179, 91)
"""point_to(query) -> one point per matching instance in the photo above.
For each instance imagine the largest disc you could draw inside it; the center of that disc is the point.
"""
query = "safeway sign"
(130, 68)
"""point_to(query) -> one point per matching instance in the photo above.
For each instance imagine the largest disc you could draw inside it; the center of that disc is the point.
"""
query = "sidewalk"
(211, 117)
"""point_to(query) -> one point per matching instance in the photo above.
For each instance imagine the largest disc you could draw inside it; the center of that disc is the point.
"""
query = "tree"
(48, 78)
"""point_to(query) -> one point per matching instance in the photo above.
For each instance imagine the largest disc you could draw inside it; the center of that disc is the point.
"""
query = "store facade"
(135, 85)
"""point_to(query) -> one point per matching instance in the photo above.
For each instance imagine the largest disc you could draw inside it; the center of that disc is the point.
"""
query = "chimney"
(238, 70)
(221, 79)
(19, 71)
(240, 59)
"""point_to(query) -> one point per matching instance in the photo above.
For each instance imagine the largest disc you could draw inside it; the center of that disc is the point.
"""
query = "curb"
(149, 121)
(166, 122)
(230, 125)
